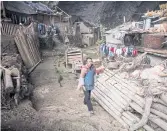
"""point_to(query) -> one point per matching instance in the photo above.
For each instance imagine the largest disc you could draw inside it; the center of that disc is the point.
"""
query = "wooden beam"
(152, 117)
(110, 111)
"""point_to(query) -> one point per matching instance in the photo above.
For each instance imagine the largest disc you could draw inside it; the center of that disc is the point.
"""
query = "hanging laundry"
(118, 52)
(107, 50)
(134, 53)
(15, 19)
(12, 18)
(129, 53)
(104, 49)
(41, 29)
(101, 48)
(19, 19)
(25, 20)
(125, 50)
(111, 51)
(115, 50)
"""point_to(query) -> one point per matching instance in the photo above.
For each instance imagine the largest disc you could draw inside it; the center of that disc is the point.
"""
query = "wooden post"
(3, 8)
(8, 81)
(124, 19)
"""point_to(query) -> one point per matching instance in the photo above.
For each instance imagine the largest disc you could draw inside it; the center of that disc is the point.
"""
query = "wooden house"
(25, 12)
(89, 31)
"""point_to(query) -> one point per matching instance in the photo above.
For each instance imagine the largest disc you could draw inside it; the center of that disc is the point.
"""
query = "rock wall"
(109, 13)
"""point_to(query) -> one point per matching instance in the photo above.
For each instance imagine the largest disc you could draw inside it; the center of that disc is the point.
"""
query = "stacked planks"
(120, 99)
(73, 54)
(74, 57)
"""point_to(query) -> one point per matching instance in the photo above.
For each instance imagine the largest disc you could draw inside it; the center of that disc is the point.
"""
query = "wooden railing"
(9, 29)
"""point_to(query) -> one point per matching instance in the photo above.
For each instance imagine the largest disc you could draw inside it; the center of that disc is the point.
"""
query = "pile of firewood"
(162, 12)
(134, 110)
(14, 83)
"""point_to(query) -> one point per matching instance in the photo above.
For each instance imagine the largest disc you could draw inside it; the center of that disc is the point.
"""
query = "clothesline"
(112, 51)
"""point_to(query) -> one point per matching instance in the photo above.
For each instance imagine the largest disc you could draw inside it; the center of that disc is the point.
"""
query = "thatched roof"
(27, 7)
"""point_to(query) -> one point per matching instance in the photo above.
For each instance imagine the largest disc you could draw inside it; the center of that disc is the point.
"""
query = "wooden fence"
(9, 29)
(26, 39)
(28, 45)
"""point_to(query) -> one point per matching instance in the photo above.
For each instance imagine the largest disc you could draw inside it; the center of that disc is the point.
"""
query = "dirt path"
(59, 108)
(63, 106)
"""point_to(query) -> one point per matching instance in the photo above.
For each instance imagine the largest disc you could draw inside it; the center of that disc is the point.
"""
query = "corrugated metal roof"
(27, 7)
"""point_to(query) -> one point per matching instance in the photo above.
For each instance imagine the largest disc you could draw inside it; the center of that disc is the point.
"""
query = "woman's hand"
(79, 87)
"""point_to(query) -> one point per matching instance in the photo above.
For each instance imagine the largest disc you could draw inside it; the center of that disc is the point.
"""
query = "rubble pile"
(135, 93)
(14, 81)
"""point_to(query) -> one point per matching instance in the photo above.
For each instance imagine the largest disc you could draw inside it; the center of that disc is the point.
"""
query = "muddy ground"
(55, 108)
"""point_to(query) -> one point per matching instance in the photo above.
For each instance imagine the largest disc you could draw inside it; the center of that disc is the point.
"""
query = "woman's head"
(89, 62)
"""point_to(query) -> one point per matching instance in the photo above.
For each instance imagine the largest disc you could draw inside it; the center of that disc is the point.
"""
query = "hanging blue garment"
(43, 29)
(25, 20)
(107, 50)
(111, 53)
(40, 28)
(101, 48)
(104, 49)
(129, 51)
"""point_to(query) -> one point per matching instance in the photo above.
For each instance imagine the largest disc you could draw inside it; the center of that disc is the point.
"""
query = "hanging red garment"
(124, 50)
(135, 52)
(112, 49)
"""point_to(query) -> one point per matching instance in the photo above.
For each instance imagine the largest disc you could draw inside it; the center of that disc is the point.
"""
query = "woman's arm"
(83, 72)
(100, 69)
(162, 74)
(81, 79)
